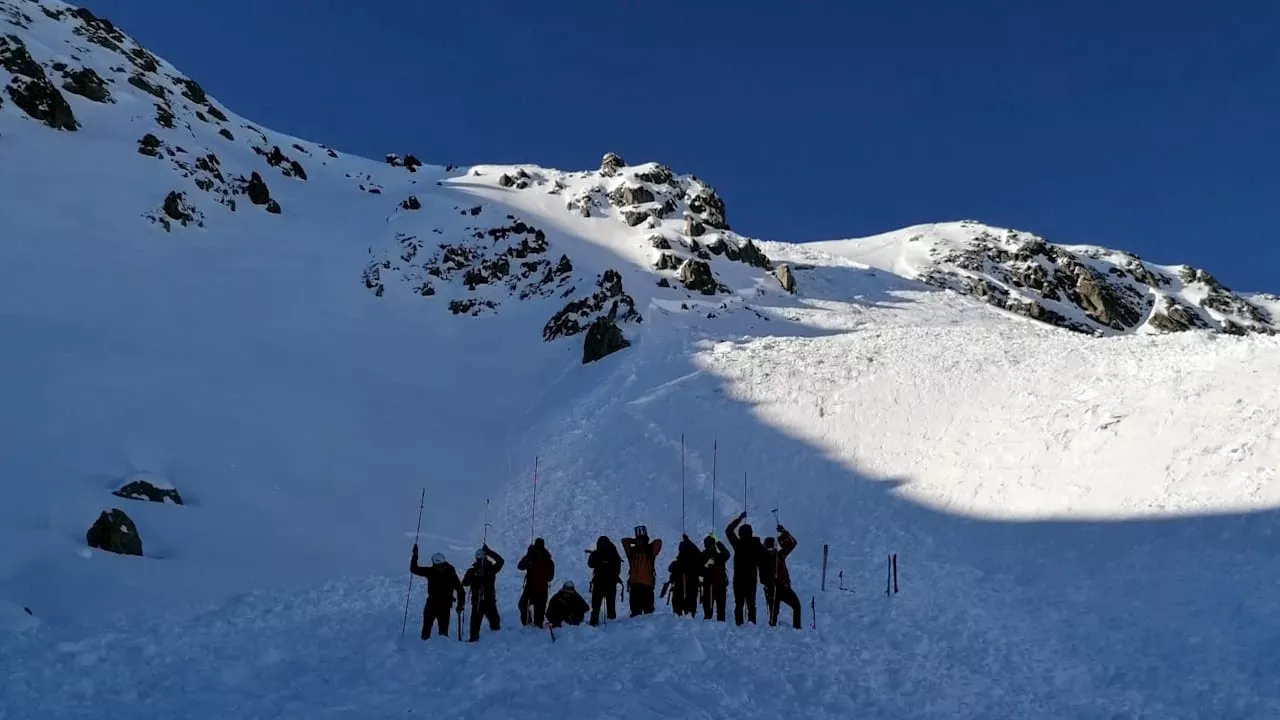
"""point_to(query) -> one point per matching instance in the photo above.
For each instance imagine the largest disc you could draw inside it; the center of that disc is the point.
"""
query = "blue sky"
(1148, 126)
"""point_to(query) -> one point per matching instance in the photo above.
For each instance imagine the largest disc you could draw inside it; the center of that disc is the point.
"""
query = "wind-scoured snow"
(1084, 525)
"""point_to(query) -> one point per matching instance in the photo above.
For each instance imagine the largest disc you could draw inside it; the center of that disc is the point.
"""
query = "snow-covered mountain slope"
(1083, 288)
(1084, 525)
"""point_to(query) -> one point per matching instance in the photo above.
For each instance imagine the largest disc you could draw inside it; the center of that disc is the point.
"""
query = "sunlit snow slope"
(1083, 520)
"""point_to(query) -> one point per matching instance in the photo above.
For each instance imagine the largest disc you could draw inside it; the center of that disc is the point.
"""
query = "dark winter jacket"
(605, 562)
(480, 578)
(772, 560)
(748, 553)
(566, 606)
(715, 559)
(442, 582)
(641, 555)
(539, 568)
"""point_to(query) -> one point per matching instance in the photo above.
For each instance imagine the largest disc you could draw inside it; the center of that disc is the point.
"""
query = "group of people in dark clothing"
(696, 576)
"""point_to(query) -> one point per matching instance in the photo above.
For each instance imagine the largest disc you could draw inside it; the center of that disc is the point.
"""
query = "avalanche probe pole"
(713, 484)
(533, 515)
(683, 528)
(417, 532)
(484, 535)
(775, 607)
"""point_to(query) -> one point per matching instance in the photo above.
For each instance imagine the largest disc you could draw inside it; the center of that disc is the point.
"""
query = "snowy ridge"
(1085, 526)
(1078, 287)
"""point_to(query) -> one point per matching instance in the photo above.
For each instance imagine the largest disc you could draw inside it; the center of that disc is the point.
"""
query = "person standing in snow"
(606, 576)
(480, 578)
(715, 576)
(642, 553)
(747, 557)
(687, 577)
(539, 570)
(442, 586)
(777, 579)
(566, 606)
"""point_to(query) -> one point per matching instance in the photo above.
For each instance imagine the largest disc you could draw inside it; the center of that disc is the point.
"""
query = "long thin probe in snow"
(417, 532)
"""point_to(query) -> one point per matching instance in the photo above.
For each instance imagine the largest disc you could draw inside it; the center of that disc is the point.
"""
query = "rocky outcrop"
(603, 338)
(693, 227)
(256, 188)
(696, 275)
(631, 195)
(785, 278)
(610, 164)
(288, 166)
(411, 203)
(144, 489)
(87, 84)
(115, 532)
(1084, 288)
(31, 90)
(576, 316)
(747, 252)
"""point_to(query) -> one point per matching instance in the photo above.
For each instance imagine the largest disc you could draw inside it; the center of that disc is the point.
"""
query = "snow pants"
(744, 594)
(436, 612)
(487, 609)
(641, 599)
(775, 600)
(684, 597)
(533, 605)
(713, 596)
(606, 593)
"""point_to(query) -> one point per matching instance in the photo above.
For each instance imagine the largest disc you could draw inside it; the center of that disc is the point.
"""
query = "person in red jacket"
(442, 585)
(539, 570)
(777, 579)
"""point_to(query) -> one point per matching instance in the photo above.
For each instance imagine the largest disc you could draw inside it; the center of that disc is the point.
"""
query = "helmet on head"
(539, 543)
(437, 558)
(480, 554)
(768, 542)
(603, 541)
(744, 532)
(568, 584)
(642, 531)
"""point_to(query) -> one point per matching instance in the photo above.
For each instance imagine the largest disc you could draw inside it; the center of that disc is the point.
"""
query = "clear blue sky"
(1149, 126)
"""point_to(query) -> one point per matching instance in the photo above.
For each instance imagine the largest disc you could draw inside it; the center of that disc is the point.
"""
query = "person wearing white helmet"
(442, 586)
(480, 578)
(566, 606)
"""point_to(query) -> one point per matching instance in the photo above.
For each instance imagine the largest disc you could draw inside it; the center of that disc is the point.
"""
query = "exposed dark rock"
(412, 163)
(693, 227)
(30, 89)
(191, 90)
(611, 163)
(149, 145)
(115, 532)
(176, 208)
(603, 338)
(226, 134)
(216, 113)
(752, 255)
(658, 175)
(1174, 317)
(506, 180)
(632, 216)
(786, 278)
(667, 261)
(696, 275)
(331, 153)
(631, 195)
(411, 203)
(257, 190)
(273, 207)
(140, 82)
(87, 84)
(142, 489)
(707, 204)
(659, 242)
(569, 320)
(663, 282)
(164, 116)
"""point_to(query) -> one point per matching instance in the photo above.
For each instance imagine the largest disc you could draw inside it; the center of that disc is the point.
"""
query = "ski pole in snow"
(895, 573)
(683, 528)
(825, 548)
(533, 515)
(813, 613)
(775, 607)
(888, 561)
(713, 484)
(416, 533)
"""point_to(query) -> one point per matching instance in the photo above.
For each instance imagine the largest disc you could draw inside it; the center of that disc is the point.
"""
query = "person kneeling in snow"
(442, 585)
(566, 606)
(484, 599)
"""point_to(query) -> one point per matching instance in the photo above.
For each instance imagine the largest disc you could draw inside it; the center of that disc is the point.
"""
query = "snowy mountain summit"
(244, 373)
